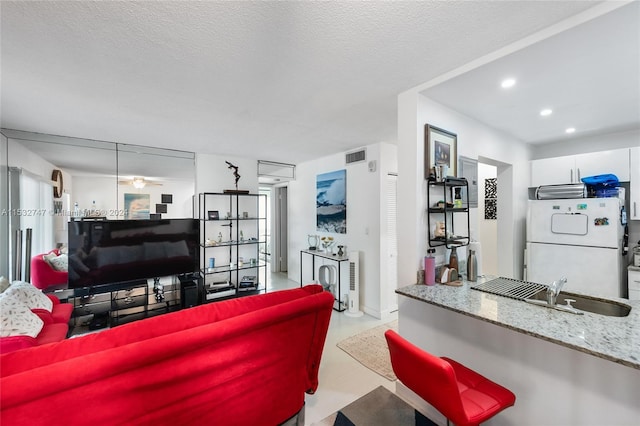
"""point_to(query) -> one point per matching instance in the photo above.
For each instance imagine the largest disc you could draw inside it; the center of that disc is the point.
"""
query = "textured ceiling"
(281, 81)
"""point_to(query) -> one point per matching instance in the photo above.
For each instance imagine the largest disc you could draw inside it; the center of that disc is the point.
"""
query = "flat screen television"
(119, 251)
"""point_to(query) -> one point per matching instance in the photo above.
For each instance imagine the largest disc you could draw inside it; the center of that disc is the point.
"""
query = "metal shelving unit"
(233, 233)
(441, 208)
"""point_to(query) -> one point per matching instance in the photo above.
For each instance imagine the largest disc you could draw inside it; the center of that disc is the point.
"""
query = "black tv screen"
(117, 251)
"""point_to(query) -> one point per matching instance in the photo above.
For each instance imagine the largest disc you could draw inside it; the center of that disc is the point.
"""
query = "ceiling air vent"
(356, 156)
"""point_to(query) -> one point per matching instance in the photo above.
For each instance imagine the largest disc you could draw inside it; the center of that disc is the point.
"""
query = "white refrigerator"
(580, 239)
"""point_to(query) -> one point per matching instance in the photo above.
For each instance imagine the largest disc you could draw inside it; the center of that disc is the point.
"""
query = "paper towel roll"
(475, 245)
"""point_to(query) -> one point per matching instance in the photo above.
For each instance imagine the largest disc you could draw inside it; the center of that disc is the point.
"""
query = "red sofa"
(55, 328)
(43, 275)
(246, 361)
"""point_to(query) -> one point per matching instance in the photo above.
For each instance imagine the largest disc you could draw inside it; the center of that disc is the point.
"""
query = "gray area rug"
(380, 407)
(370, 349)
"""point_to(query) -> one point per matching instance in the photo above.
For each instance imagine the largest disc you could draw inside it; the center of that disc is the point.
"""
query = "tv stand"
(119, 303)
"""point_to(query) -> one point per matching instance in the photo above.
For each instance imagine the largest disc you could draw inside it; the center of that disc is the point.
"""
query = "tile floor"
(342, 378)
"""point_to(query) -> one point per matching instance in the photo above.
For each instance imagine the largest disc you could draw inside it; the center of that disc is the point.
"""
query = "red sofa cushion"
(242, 361)
(62, 313)
(14, 343)
(52, 333)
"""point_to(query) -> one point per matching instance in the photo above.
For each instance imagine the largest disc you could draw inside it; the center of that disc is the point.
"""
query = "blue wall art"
(331, 202)
(137, 206)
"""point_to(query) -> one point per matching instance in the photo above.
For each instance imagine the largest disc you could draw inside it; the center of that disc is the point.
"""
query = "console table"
(338, 303)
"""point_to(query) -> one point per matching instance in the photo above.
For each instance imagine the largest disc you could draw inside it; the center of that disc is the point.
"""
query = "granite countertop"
(615, 339)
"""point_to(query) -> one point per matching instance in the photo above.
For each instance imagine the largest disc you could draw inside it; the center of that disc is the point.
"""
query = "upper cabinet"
(552, 171)
(634, 193)
(571, 168)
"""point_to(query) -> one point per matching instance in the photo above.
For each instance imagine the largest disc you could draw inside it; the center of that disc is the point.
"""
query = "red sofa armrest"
(54, 299)
(44, 315)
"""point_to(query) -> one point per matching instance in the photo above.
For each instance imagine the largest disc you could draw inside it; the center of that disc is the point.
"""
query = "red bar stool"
(463, 396)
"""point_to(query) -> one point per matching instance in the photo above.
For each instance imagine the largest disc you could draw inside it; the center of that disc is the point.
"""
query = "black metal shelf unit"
(120, 303)
(233, 234)
(441, 207)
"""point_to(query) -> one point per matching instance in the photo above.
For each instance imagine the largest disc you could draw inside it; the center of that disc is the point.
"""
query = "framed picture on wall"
(440, 149)
(137, 206)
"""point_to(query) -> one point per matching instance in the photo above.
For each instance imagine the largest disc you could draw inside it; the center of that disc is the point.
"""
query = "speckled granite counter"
(614, 339)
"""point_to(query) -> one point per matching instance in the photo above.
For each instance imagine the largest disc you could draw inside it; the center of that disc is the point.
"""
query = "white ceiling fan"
(139, 182)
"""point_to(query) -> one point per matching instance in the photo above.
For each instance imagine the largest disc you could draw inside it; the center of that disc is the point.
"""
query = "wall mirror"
(98, 177)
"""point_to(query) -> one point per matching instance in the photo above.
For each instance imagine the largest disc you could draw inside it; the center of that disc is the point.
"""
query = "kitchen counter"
(612, 338)
(564, 368)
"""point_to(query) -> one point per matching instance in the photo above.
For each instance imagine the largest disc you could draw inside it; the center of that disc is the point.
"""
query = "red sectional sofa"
(55, 328)
(246, 361)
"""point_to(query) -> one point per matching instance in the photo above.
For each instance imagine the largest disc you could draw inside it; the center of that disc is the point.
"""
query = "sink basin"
(588, 304)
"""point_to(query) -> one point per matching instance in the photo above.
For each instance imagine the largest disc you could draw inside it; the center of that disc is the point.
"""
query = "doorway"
(487, 218)
(281, 234)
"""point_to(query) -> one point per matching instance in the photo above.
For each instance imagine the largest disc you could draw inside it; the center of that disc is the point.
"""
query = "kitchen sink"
(588, 304)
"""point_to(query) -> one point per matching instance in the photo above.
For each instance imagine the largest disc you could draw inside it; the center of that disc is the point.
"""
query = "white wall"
(213, 174)
(475, 140)
(366, 198)
(19, 156)
(104, 190)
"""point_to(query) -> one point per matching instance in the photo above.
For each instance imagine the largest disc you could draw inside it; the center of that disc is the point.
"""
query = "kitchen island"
(564, 368)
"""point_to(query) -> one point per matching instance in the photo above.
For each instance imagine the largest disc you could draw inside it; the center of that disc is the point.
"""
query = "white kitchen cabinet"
(634, 283)
(552, 171)
(634, 190)
(598, 163)
(571, 168)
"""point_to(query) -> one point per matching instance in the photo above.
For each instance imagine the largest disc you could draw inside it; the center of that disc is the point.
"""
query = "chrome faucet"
(554, 289)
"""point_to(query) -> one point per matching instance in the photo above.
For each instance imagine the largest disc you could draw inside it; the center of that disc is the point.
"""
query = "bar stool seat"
(463, 396)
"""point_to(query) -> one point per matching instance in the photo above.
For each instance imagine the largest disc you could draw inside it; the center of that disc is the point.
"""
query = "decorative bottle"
(472, 266)
(430, 267)
(453, 259)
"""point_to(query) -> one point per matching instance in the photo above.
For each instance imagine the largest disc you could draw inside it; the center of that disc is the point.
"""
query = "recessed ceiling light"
(509, 82)
(570, 130)
(545, 112)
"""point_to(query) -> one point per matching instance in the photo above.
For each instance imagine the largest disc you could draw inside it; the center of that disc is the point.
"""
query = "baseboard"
(373, 312)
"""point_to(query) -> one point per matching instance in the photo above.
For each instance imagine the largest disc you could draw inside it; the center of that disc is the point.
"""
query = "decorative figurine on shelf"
(241, 236)
(235, 172)
(237, 176)
(440, 230)
(313, 241)
(327, 242)
(219, 237)
(340, 251)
